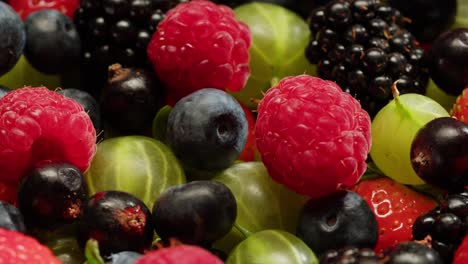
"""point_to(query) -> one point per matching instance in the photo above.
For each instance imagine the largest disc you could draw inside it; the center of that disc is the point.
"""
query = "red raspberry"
(8, 193)
(37, 124)
(200, 45)
(17, 248)
(248, 153)
(312, 136)
(26, 7)
(182, 254)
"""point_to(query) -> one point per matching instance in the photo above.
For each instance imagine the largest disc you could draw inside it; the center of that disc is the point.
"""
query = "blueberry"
(11, 218)
(199, 212)
(413, 253)
(53, 44)
(207, 129)
(90, 105)
(12, 38)
(338, 220)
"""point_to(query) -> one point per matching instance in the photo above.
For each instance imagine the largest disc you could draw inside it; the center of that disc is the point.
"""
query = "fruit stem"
(274, 81)
(246, 233)
(400, 105)
(93, 256)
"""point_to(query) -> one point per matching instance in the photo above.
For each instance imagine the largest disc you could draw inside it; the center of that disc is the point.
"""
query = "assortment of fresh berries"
(312, 136)
(395, 207)
(96, 172)
(364, 47)
(200, 45)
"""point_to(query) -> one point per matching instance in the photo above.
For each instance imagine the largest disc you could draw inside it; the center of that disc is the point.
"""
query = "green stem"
(401, 106)
(246, 233)
(93, 256)
(274, 81)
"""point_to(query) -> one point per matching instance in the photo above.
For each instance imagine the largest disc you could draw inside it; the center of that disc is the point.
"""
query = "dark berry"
(207, 129)
(199, 212)
(124, 257)
(374, 61)
(89, 103)
(12, 38)
(341, 219)
(414, 253)
(423, 226)
(447, 228)
(437, 152)
(131, 99)
(53, 44)
(118, 221)
(11, 218)
(52, 194)
(350, 255)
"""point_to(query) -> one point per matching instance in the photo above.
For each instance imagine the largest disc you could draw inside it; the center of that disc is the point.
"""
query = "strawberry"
(460, 108)
(395, 207)
(461, 255)
(26, 7)
(17, 248)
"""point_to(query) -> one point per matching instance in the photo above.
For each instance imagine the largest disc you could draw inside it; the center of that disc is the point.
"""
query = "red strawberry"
(17, 248)
(37, 124)
(460, 108)
(181, 254)
(395, 207)
(312, 136)
(461, 255)
(200, 44)
(248, 154)
(26, 7)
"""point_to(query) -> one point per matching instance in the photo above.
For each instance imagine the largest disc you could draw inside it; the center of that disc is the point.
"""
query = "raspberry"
(37, 124)
(21, 249)
(312, 136)
(181, 254)
(24, 8)
(199, 45)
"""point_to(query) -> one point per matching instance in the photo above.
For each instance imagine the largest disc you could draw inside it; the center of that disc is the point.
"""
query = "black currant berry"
(52, 194)
(199, 212)
(118, 221)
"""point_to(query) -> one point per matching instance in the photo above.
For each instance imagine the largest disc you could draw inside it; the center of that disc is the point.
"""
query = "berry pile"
(363, 46)
(446, 225)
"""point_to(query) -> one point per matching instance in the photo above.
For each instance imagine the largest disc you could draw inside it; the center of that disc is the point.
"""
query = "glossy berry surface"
(39, 124)
(11, 218)
(341, 219)
(52, 194)
(312, 136)
(18, 248)
(200, 45)
(429, 18)
(12, 38)
(124, 257)
(207, 129)
(118, 221)
(447, 60)
(364, 46)
(130, 99)
(445, 224)
(186, 254)
(25, 8)
(418, 253)
(199, 212)
(53, 44)
(350, 255)
(439, 151)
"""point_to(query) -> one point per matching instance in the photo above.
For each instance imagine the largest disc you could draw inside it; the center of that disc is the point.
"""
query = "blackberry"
(446, 224)
(350, 255)
(364, 47)
(116, 31)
